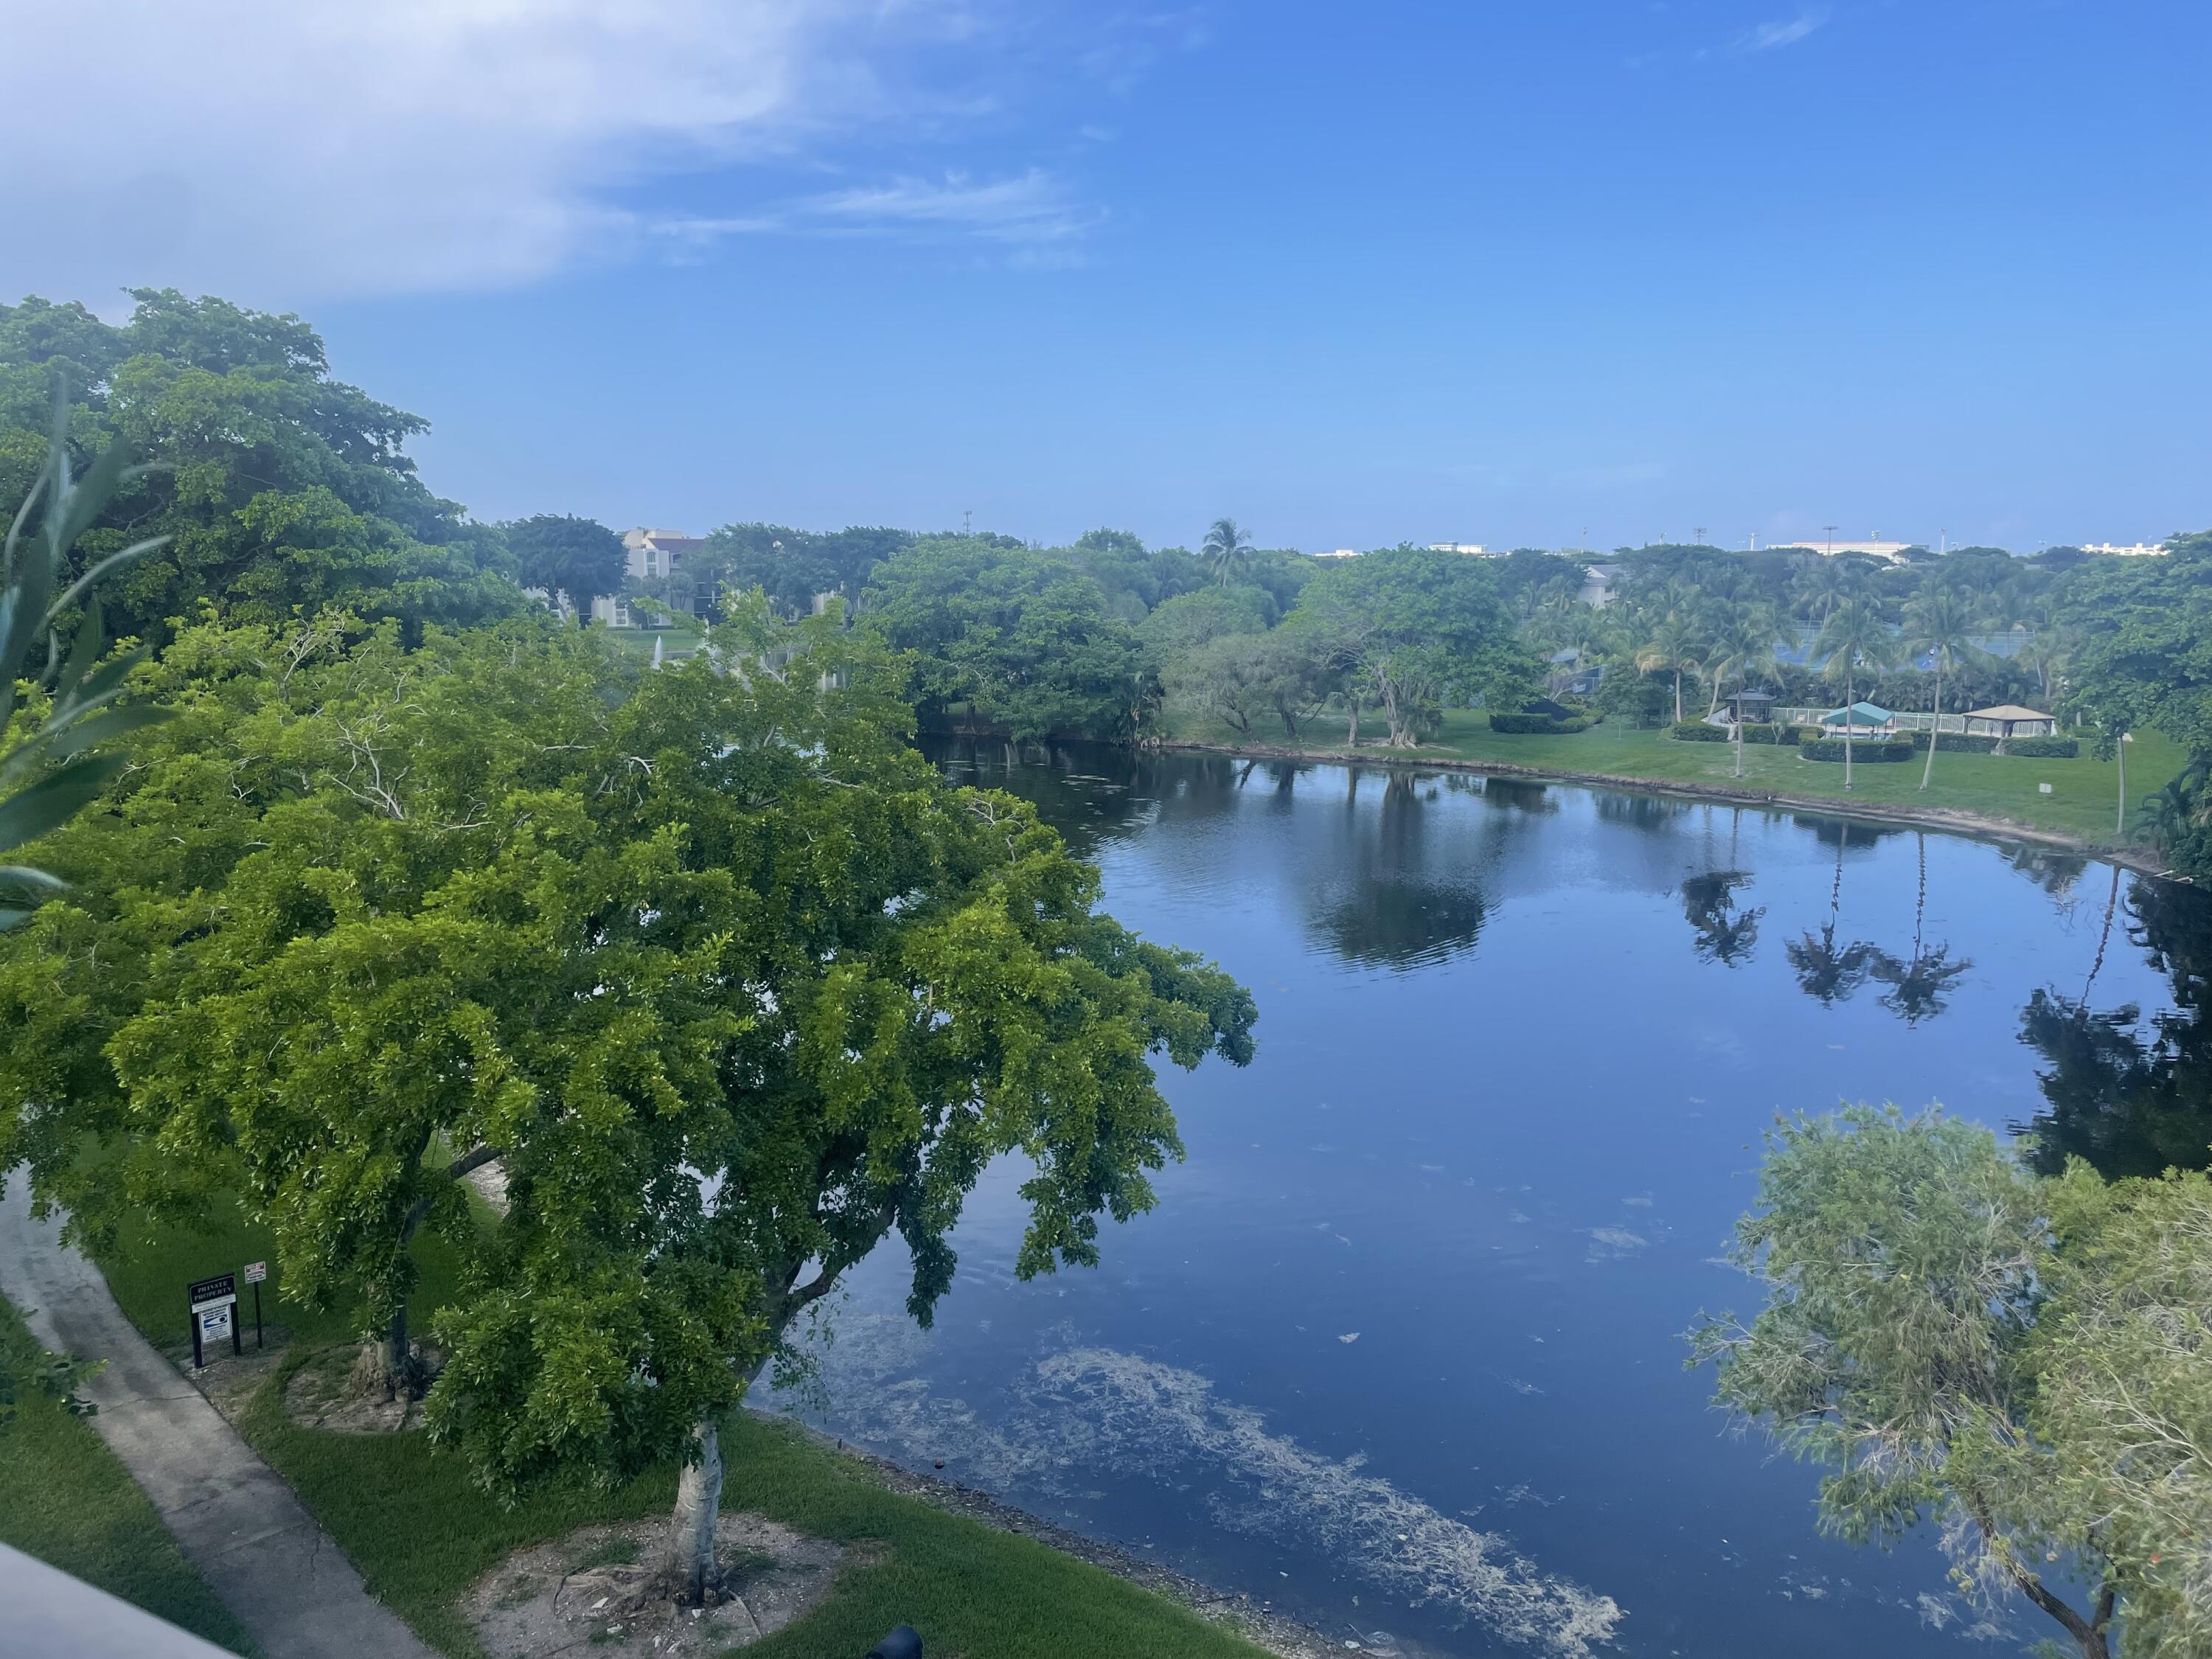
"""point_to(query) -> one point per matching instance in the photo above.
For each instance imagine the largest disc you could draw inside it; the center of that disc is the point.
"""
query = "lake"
(1399, 1352)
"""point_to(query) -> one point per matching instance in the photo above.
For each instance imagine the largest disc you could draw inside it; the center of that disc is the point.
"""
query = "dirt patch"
(230, 1381)
(595, 1587)
(325, 1393)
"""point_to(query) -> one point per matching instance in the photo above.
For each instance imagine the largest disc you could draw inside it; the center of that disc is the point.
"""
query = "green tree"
(1939, 624)
(1906, 1261)
(1189, 620)
(579, 558)
(1854, 638)
(47, 772)
(1744, 639)
(277, 487)
(719, 971)
(1674, 647)
(1227, 551)
(1020, 638)
(1413, 629)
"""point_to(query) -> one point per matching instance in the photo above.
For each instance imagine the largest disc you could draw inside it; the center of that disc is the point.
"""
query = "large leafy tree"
(566, 555)
(2142, 660)
(716, 968)
(2020, 1361)
(277, 487)
(1019, 639)
(1412, 630)
(790, 566)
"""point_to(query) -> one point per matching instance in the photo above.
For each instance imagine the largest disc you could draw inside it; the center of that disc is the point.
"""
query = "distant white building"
(1597, 584)
(655, 557)
(1476, 549)
(2139, 550)
(1873, 546)
(1337, 553)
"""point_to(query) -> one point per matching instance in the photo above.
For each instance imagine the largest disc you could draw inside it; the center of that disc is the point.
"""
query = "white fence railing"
(1907, 721)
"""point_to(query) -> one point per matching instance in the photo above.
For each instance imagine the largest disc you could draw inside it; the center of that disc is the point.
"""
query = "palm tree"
(1672, 647)
(1747, 638)
(1228, 550)
(1919, 984)
(1824, 972)
(1854, 635)
(1937, 622)
(1825, 583)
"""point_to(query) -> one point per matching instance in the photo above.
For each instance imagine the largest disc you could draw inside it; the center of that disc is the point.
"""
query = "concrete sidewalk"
(231, 1515)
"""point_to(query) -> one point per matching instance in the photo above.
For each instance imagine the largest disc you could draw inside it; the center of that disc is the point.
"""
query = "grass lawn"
(2082, 798)
(421, 1534)
(65, 1499)
(676, 644)
(148, 1275)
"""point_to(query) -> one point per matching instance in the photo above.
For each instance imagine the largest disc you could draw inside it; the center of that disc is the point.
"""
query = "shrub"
(1965, 743)
(1864, 753)
(2043, 748)
(1699, 731)
(1543, 725)
(1755, 732)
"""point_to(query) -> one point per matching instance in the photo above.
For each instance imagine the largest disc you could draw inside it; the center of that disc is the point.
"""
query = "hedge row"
(1755, 733)
(1963, 742)
(1863, 752)
(1540, 726)
(2043, 748)
(1697, 731)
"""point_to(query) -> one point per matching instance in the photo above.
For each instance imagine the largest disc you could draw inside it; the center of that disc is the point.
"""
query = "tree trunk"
(1678, 696)
(1934, 735)
(691, 1559)
(1850, 703)
(1352, 738)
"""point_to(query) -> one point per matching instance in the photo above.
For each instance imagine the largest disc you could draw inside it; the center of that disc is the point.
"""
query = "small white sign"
(215, 1324)
(256, 1272)
(2045, 788)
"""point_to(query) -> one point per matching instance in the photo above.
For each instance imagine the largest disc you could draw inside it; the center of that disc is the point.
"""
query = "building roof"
(1860, 713)
(1751, 696)
(2007, 711)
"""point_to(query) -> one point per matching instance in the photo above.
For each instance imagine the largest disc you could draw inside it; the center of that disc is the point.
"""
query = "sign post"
(215, 1306)
(255, 1272)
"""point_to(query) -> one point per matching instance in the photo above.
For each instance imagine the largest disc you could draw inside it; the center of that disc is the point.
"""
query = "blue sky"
(1491, 272)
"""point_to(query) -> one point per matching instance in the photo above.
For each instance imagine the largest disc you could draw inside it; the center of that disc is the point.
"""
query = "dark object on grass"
(900, 1644)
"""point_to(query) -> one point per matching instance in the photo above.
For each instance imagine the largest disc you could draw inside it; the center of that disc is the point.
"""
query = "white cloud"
(1031, 207)
(1783, 32)
(283, 150)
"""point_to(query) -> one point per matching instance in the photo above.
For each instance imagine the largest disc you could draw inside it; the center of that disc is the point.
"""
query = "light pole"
(2120, 818)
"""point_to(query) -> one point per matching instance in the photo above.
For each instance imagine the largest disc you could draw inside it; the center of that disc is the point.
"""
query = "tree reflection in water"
(1919, 984)
(1386, 908)
(1724, 934)
(2130, 1098)
(1826, 971)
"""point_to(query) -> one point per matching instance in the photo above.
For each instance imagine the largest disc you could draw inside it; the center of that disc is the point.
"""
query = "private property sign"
(215, 1314)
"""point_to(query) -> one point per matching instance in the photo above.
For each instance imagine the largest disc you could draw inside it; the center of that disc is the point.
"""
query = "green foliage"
(1863, 751)
(1412, 631)
(790, 566)
(277, 488)
(579, 558)
(1540, 724)
(2025, 1362)
(1699, 731)
(1018, 639)
(1961, 743)
(510, 897)
(1191, 620)
(70, 1504)
(1240, 679)
(2042, 748)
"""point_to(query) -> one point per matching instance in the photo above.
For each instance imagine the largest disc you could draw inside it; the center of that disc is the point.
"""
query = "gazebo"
(1861, 720)
(2009, 719)
(1757, 707)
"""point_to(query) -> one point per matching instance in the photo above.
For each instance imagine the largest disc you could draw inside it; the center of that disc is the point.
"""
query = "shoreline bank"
(1980, 826)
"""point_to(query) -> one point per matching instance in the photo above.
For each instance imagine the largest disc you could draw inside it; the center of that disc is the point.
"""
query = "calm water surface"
(1398, 1350)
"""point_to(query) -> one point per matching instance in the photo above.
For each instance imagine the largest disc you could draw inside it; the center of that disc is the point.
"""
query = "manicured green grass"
(421, 1533)
(676, 643)
(65, 1499)
(148, 1274)
(2081, 802)
(411, 1519)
